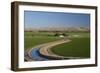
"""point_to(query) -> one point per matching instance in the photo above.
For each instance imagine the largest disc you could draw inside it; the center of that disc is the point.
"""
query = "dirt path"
(45, 51)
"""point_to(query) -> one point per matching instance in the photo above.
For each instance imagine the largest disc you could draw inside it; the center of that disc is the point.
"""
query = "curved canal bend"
(35, 53)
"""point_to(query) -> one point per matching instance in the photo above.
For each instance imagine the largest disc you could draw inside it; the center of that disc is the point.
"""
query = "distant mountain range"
(59, 29)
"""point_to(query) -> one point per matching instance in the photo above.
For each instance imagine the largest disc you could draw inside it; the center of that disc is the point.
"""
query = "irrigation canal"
(36, 55)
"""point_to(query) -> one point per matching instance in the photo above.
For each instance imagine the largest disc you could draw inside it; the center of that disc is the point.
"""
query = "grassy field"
(32, 39)
(78, 47)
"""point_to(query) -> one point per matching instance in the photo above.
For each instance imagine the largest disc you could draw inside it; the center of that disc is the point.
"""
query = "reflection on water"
(36, 55)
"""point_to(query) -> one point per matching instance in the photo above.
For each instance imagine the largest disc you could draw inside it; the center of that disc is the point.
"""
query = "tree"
(56, 34)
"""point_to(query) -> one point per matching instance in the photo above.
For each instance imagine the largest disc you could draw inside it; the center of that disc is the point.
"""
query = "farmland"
(32, 39)
(78, 47)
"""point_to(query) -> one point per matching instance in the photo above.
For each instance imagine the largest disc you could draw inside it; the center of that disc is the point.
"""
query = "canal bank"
(40, 52)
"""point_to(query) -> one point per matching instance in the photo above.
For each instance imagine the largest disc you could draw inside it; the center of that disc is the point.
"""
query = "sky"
(39, 19)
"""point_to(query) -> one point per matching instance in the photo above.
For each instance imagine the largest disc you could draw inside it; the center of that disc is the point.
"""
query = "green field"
(78, 47)
(32, 39)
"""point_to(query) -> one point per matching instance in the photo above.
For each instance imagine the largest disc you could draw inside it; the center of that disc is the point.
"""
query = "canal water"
(36, 55)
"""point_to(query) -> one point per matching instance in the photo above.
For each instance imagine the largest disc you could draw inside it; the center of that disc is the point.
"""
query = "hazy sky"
(37, 19)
